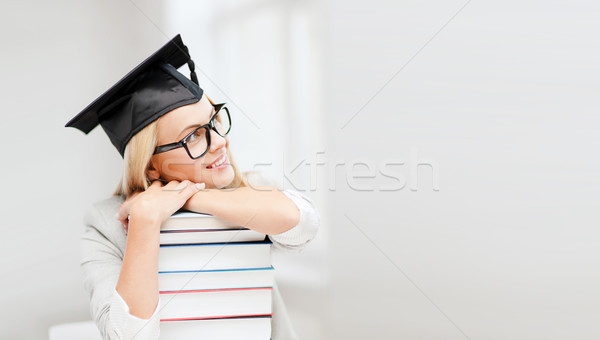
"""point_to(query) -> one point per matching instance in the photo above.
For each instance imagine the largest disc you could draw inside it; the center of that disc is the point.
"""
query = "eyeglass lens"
(198, 142)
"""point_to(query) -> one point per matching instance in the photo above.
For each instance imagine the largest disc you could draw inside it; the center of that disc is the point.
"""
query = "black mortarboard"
(147, 92)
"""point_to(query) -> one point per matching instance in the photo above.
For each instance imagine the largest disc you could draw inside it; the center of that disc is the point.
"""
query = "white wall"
(501, 103)
(504, 103)
(56, 58)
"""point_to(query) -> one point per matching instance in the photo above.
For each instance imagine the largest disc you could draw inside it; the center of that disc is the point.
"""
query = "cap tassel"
(193, 72)
(191, 66)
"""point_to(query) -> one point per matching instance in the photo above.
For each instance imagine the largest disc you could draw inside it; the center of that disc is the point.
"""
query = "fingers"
(185, 186)
(156, 183)
(188, 188)
(171, 196)
(195, 187)
(173, 186)
(182, 185)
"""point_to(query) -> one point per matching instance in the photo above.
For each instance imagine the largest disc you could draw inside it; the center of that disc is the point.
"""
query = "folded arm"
(264, 209)
(289, 218)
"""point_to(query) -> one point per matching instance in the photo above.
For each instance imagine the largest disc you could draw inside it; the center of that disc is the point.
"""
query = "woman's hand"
(158, 202)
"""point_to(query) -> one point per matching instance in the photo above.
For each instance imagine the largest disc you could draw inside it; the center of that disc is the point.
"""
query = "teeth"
(218, 163)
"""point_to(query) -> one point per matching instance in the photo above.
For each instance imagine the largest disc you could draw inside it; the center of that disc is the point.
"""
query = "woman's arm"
(138, 280)
(261, 208)
(101, 263)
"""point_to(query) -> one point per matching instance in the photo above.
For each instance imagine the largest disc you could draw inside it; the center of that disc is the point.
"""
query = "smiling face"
(176, 164)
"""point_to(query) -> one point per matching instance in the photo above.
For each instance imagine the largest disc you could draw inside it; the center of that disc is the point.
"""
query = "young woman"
(179, 158)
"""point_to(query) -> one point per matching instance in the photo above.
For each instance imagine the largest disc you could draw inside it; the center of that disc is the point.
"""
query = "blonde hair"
(139, 151)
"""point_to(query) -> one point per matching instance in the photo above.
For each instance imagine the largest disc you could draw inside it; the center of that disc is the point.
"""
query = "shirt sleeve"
(298, 237)
(101, 265)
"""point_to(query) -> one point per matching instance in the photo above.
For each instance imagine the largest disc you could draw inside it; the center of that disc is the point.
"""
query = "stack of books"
(215, 280)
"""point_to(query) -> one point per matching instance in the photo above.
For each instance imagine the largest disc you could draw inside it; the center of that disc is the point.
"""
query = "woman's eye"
(198, 134)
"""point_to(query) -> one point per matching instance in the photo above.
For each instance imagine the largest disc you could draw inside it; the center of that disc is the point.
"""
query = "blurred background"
(450, 146)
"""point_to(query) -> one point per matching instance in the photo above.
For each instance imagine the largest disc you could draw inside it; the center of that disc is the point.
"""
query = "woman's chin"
(220, 178)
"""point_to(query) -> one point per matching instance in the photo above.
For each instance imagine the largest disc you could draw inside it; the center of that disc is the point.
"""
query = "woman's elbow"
(290, 215)
(292, 218)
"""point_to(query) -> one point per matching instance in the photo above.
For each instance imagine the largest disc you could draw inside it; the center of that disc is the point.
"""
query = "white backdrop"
(450, 146)
(501, 99)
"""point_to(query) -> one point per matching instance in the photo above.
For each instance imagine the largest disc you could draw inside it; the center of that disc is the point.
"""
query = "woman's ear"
(152, 172)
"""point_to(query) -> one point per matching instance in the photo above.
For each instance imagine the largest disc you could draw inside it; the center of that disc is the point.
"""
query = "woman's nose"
(216, 141)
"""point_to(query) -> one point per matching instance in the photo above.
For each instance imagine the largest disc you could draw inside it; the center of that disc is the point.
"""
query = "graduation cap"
(150, 90)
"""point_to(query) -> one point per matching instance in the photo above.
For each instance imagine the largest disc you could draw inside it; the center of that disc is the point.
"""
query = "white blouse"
(103, 247)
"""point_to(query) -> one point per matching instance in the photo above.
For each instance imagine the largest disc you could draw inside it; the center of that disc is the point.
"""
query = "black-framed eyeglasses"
(197, 142)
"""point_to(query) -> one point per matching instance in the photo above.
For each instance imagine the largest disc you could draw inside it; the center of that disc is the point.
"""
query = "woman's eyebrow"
(195, 125)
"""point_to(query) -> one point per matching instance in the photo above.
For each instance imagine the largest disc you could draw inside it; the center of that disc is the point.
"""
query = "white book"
(192, 236)
(184, 220)
(214, 279)
(218, 303)
(217, 329)
(214, 256)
